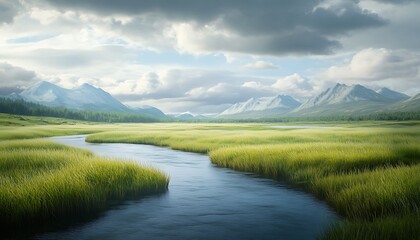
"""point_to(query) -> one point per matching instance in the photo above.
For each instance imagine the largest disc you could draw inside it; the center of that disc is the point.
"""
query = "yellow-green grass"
(203, 139)
(17, 120)
(368, 172)
(45, 182)
(361, 187)
(40, 131)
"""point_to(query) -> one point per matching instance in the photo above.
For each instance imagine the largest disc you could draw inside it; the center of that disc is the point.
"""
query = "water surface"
(203, 202)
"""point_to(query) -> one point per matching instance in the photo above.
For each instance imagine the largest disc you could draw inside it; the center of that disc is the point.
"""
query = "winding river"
(203, 202)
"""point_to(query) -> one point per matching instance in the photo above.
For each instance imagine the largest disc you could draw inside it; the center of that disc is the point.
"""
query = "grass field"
(369, 172)
(42, 183)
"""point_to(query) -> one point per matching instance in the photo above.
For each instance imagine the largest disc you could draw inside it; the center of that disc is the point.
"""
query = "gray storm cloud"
(112, 44)
(14, 79)
(272, 27)
(8, 10)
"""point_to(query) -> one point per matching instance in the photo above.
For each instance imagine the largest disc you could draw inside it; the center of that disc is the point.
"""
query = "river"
(203, 202)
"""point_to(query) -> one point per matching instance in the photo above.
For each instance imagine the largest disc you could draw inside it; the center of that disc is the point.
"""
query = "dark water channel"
(203, 202)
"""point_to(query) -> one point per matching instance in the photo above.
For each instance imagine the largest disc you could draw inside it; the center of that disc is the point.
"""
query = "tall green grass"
(359, 181)
(43, 182)
(18, 120)
(203, 139)
(388, 228)
(29, 132)
(369, 172)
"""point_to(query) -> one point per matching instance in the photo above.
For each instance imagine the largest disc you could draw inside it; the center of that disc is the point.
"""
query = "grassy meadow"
(369, 172)
(42, 182)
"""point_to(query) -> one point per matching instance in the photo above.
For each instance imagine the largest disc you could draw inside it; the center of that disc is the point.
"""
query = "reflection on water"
(203, 202)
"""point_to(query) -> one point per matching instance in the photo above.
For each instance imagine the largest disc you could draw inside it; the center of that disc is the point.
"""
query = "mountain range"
(262, 106)
(85, 97)
(338, 100)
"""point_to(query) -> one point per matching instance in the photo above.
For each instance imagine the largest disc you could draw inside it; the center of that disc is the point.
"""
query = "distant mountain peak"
(280, 102)
(84, 97)
(43, 84)
(148, 110)
(384, 89)
(339, 86)
(342, 93)
(187, 115)
(353, 99)
(87, 85)
(13, 96)
(392, 95)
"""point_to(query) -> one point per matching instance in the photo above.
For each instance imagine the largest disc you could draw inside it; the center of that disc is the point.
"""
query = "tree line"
(21, 107)
(385, 116)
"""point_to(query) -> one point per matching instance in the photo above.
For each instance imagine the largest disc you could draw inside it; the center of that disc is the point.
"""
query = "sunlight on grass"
(41, 181)
(368, 172)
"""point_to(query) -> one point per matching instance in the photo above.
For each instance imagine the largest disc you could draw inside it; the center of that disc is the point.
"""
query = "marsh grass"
(18, 120)
(368, 172)
(359, 181)
(388, 228)
(42, 182)
(30, 132)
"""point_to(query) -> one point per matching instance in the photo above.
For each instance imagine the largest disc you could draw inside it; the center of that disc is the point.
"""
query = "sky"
(203, 56)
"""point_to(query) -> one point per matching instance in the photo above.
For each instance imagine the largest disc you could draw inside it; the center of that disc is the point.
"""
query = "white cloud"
(398, 69)
(71, 42)
(377, 65)
(255, 85)
(261, 65)
(295, 85)
(47, 16)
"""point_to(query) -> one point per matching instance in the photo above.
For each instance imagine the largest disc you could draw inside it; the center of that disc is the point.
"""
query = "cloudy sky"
(203, 56)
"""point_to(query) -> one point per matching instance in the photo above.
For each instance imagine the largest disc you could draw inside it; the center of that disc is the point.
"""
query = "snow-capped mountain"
(342, 93)
(345, 100)
(187, 115)
(85, 97)
(277, 104)
(338, 100)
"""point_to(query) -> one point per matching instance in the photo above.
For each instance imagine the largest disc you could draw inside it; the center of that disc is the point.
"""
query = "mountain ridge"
(340, 99)
(347, 100)
(83, 97)
(276, 104)
(393, 95)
